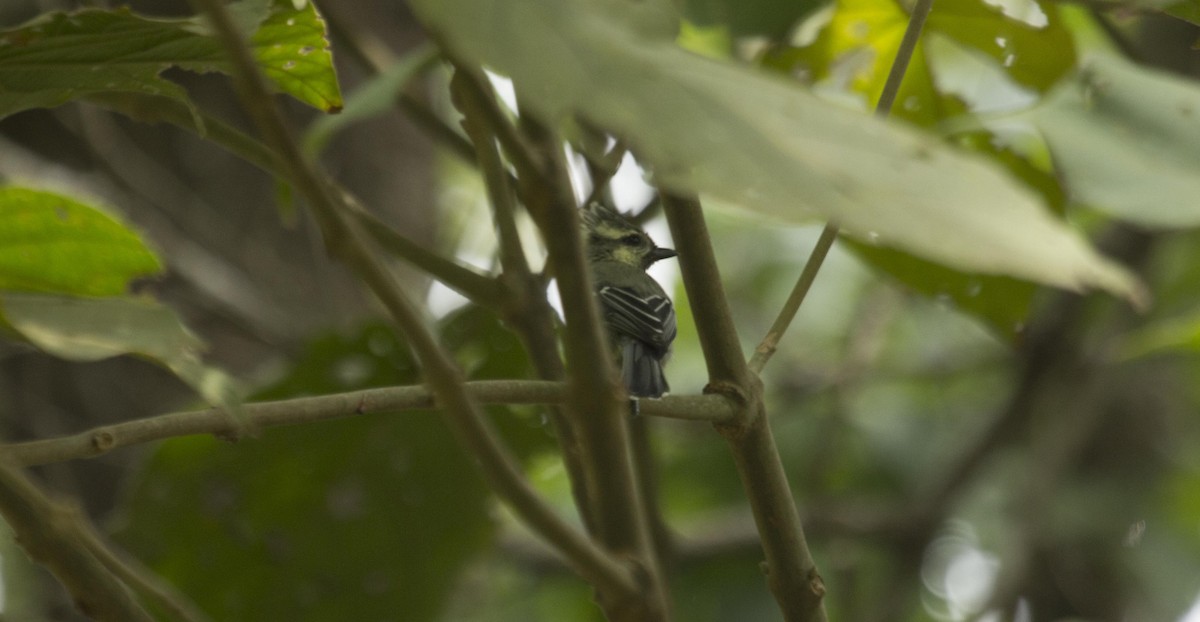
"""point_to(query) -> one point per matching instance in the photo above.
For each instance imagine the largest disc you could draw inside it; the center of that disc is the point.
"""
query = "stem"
(596, 395)
(891, 88)
(50, 534)
(770, 343)
(525, 307)
(791, 572)
(500, 469)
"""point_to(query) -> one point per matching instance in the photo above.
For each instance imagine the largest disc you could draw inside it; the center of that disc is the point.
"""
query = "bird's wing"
(647, 318)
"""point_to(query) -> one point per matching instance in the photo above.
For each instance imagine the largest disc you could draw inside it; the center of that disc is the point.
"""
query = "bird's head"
(613, 237)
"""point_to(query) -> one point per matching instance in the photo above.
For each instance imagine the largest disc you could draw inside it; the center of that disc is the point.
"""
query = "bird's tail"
(642, 370)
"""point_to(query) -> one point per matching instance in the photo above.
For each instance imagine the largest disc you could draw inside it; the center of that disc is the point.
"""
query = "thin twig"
(466, 418)
(770, 343)
(477, 287)
(891, 88)
(141, 579)
(49, 532)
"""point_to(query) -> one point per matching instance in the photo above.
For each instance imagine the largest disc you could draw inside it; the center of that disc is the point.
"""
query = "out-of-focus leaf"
(1179, 335)
(371, 518)
(1001, 302)
(742, 18)
(854, 51)
(374, 98)
(91, 329)
(1126, 141)
(1035, 56)
(60, 57)
(711, 127)
(54, 244)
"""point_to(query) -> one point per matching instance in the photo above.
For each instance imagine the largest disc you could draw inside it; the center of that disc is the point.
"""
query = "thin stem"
(479, 288)
(49, 533)
(103, 439)
(499, 468)
(904, 54)
(770, 343)
(140, 578)
(891, 88)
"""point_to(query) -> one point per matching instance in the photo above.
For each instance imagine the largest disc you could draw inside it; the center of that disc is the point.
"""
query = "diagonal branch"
(50, 534)
(464, 414)
(791, 572)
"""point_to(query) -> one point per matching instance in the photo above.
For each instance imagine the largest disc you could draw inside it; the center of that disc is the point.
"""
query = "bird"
(636, 311)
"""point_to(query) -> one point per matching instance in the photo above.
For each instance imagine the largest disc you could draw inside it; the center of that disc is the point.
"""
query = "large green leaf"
(60, 57)
(91, 329)
(712, 127)
(371, 518)
(51, 243)
(1126, 141)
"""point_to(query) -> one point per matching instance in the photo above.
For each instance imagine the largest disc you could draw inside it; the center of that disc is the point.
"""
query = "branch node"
(103, 440)
(815, 583)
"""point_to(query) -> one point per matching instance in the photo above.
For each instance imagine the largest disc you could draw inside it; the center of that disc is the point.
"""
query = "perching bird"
(639, 315)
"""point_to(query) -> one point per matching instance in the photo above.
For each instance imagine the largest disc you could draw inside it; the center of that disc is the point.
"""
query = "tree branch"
(791, 573)
(50, 533)
(500, 469)
(525, 307)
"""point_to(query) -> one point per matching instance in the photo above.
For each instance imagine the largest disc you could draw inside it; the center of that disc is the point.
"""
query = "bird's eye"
(632, 239)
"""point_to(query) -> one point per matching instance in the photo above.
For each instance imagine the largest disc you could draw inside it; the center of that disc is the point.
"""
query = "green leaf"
(749, 139)
(54, 244)
(1126, 141)
(1034, 56)
(91, 329)
(1000, 302)
(61, 57)
(743, 18)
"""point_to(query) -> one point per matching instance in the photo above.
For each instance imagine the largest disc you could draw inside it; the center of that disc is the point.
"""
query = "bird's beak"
(662, 253)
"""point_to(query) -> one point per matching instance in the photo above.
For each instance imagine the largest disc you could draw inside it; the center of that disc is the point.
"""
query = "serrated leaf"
(91, 329)
(1126, 141)
(61, 57)
(712, 127)
(51, 243)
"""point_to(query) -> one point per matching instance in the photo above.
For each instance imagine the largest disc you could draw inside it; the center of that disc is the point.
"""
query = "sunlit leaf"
(51, 243)
(1035, 56)
(91, 329)
(712, 127)
(1126, 141)
(60, 57)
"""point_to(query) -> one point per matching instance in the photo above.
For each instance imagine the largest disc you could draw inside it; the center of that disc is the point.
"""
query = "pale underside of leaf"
(719, 129)
(1126, 140)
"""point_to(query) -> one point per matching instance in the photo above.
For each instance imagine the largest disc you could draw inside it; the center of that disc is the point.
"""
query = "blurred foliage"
(368, 519)
(1083, 505)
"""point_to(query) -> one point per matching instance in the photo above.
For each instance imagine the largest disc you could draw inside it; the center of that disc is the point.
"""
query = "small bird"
(639, 315)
